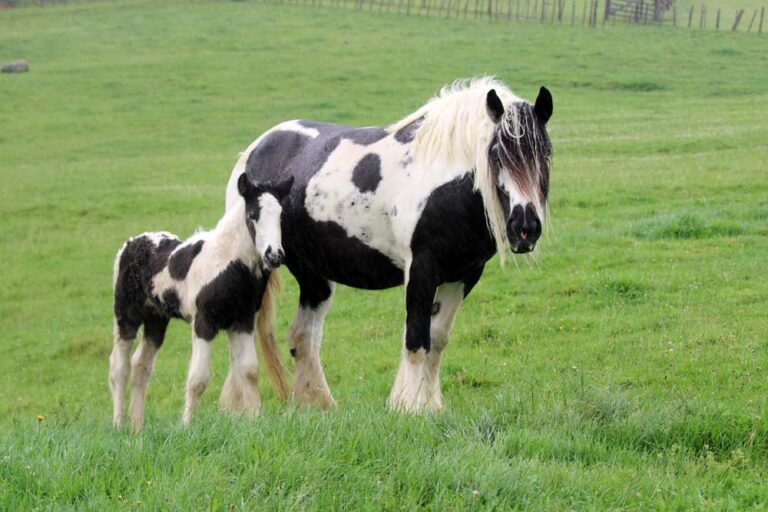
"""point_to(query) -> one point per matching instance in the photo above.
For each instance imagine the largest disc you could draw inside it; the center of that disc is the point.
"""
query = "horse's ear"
(543, 106)
(244, 184)
(283, 188)
(494, 105)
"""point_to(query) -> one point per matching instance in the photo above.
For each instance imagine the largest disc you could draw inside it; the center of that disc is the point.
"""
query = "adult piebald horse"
(426, 201)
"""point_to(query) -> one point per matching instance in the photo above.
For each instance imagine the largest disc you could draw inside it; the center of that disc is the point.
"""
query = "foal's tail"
(265, 325)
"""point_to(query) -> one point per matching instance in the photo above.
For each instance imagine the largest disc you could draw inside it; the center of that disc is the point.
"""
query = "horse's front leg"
(448, 298)
(414, 383)
(306, 335)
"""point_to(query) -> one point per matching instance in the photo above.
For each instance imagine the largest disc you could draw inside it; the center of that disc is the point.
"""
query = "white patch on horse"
(296, 126)
(268, 233)
(370, 216)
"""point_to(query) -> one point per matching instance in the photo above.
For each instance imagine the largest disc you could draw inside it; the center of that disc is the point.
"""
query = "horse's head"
(519, 157)
(262, 216)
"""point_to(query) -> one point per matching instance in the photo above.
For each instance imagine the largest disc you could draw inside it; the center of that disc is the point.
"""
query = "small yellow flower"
(40, 417)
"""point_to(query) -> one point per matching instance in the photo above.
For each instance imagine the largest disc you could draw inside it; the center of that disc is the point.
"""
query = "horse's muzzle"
(272, 258)
(523, 229)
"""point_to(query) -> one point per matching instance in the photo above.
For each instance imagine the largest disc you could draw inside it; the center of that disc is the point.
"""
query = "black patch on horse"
(362, 136)
(154, 328)
(286, 153)
(351, 262)
(452, 230)
(229, 301)
(451, 243)
(140, 260)
(171, 304)
(182, 259)
(367, 173)
(161, 253)
(406, 134)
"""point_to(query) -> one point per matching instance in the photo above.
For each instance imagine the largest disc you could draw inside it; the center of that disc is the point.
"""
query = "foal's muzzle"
(523, 229)
(273, 258)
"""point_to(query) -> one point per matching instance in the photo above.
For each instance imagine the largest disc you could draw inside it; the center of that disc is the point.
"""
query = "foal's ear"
(244, 185)
(494, 105)
(543, 106)
(283, 188)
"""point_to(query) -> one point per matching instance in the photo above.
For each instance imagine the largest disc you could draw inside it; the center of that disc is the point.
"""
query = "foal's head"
(519, 157)
(262, 216)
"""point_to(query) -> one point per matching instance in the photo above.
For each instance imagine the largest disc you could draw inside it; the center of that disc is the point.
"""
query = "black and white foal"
(214, 280)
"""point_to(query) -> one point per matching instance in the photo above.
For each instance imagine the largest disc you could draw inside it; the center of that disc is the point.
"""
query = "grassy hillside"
(622, 367)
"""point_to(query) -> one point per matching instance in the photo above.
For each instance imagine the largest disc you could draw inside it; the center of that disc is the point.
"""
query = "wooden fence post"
(702, 17)
(584, 14)
(752, 21)
(739, 14)
(674, 15)
(573, 13)
(690, 16)
(717, 20)
(760, 26)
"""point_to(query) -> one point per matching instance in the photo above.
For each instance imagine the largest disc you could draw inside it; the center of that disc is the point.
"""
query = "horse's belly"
(326, 249)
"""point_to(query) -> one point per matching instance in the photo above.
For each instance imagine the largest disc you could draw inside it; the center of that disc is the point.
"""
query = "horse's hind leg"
(120, 369)
(241, 389)
(142, 365)
(306, 335)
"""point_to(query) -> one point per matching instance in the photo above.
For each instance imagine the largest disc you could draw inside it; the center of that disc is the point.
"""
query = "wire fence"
(588, 13)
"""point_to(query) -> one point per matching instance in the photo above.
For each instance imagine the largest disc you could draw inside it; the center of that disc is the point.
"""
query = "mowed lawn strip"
(623, 366)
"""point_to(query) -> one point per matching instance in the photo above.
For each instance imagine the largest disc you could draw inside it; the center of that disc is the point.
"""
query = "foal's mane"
(457, 131)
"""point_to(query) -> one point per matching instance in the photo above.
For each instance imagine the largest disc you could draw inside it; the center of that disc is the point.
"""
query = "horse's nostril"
(523, 235)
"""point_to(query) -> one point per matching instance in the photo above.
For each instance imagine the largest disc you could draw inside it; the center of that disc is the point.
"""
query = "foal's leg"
(306, 335)
(198, 377)
(142, 365)
(120, 370)
(241, 389)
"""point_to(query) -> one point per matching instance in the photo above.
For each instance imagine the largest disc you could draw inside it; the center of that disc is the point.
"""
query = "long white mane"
(456, 131)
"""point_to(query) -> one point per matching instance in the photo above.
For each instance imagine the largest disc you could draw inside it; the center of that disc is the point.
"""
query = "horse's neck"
(231, 239)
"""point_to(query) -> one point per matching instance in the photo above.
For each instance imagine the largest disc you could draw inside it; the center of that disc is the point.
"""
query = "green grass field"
(625, 367)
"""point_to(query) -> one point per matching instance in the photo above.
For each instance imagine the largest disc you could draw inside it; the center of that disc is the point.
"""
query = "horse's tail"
(265, 325)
